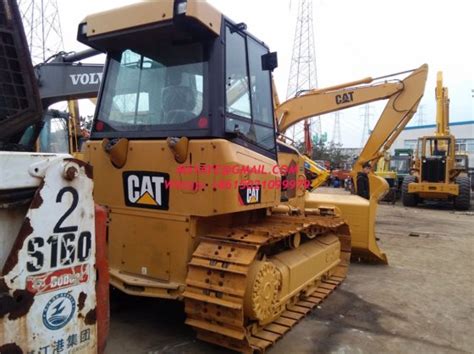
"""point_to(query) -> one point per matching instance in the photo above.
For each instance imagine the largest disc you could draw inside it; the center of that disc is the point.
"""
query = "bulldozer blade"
(360, 214)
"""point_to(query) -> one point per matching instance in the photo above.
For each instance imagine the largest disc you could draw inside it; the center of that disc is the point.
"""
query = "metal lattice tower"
(420, 115)
(336, 133)
(42, 28)
(366, 128)
(303, 74)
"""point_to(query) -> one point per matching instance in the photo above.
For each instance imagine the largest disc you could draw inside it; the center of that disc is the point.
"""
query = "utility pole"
(366, 128)
(336, 133)
(303, 74)
(42, 28)
(420, 115)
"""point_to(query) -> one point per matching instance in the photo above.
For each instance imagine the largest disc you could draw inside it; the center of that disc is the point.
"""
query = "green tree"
(328, 151)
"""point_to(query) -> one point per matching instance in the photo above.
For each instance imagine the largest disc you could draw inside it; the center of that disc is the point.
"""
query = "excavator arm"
(65, 78)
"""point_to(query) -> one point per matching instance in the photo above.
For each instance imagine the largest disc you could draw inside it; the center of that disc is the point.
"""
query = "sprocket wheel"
(261, 297)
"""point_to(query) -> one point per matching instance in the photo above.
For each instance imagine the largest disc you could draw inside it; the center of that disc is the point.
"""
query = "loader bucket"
(360, 214)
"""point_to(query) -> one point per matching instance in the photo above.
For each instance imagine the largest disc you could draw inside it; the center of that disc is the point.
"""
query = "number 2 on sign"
(65, 247)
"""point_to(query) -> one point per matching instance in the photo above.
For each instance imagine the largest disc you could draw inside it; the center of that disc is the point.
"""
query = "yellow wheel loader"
(436, 174)
(403, 97)
(185, 158)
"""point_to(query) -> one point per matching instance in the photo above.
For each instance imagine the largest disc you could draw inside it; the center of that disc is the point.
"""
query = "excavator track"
(221, 268)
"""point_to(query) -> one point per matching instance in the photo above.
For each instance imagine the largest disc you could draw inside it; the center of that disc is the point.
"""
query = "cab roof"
(146, 13)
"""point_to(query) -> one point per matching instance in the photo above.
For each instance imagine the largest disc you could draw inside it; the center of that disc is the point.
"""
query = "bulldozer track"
(219, 271)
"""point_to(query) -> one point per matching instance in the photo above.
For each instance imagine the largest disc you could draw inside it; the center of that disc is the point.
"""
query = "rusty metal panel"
(47, 284)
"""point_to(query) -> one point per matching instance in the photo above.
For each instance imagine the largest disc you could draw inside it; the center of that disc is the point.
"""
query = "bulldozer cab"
(184, 118)
(171, 82)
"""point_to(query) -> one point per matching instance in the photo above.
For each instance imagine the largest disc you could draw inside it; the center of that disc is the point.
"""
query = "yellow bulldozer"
(187, 166)
(205, 204)
(436, 174)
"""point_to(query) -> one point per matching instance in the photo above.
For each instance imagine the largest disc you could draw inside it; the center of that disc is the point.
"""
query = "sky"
(354, 39)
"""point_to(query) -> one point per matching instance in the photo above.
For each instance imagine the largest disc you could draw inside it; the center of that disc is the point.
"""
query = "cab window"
(248, 91)
(436, 147)
(54, 136)
(154, 88)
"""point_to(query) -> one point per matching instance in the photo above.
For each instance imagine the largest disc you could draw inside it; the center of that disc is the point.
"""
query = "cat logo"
(344, 98)
(146, 189)
(250, 194)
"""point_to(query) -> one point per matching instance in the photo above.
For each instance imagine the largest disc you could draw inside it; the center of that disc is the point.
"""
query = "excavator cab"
(401, 162)
(50, 135)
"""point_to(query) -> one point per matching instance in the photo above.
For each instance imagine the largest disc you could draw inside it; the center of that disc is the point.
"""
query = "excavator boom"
(442, 107)
(324, 101)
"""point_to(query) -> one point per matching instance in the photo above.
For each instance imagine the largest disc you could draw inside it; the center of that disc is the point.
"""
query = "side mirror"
(269, 61)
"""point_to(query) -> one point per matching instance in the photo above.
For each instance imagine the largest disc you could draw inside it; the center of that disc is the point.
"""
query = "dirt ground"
(422, 302)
